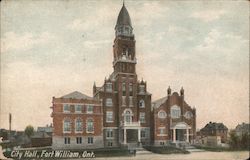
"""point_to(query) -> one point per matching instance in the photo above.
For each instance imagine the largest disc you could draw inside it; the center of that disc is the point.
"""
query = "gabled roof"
(214, 126)
(159, 102)
(76, 95)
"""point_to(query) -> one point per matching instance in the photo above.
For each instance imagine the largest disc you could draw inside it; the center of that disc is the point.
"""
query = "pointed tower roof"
(123, 17)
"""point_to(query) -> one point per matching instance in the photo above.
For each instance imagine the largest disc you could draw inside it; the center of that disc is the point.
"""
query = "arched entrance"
(180, 132)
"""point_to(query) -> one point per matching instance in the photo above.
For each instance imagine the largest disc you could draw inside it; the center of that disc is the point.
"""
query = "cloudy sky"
(51, 48)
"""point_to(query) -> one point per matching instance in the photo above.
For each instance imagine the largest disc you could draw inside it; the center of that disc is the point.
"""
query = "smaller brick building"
(174, 121)
(77, 121)
(215, 129)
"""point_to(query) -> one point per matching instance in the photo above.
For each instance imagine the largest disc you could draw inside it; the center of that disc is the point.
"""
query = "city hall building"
(121, 112)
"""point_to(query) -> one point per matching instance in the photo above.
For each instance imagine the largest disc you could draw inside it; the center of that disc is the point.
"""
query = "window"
(109, 133)
(78, 125)
(141, 103)
(143, 134)
(130, 101)
(188, 115)
(66, 108)
(124, 100)
(123, 86)
(66, 126)
(162, 114)
(109, 102)
(90, 126)
(162, 143)
(90, 140)
(128, 116)
(78, 140)
(162, 130)
(78, 108)
(109, 87)
(66, 140)
(109, 116)
(142, 117)
(130, 89)
(89, 109)
(141, 88)
(175, 111)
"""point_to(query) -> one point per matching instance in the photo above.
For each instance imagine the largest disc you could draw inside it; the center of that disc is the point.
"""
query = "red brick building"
(215, 129)
(174, 121)
(77, 121)
(122, 111)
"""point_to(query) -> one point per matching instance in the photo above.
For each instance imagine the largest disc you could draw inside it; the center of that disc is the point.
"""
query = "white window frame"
(68, 106)
(68, 126)
(123, 86)
(141, 88)
(77, 120)
(89, 120)
(142, 115)
(143, 132)
(76, 107)
(141, 103)
(90, 140)
(66, 140)
(109, 87)
(175, 111)
(160, 114)
(109, 134)
(188, 115)
(109, 102)
(78, 140)
(88, 111)
(109, 117)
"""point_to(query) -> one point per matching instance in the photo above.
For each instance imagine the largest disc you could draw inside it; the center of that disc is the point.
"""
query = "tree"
(29, 130)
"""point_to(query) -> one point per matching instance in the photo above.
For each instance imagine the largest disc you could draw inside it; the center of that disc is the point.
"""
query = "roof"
(123, 17)
(159, 102)
(76, 95)
(40, 135)
(44, 129)
(214, 126)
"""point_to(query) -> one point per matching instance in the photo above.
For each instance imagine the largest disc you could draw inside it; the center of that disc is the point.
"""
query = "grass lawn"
(219, 149)
(166, 150)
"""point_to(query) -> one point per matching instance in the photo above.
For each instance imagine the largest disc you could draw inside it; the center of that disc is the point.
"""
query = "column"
(174, 136)
(139, 135)
(187, 134)
(125, 136)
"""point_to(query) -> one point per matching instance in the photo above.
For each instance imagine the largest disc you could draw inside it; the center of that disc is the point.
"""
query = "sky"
(52, 48)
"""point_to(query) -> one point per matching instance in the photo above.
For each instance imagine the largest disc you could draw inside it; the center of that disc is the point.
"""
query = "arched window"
(175, 111)
(141, 103)
(128, 116)
(78, 125)
(188, 115)
(67, 125)
(90, 125)
(162, 114)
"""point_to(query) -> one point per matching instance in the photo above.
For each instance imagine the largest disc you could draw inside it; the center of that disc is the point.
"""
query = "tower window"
(142, 103)
(109, 87)
(142, 117)
(141, 88)
(109, 116)
(109, 102)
